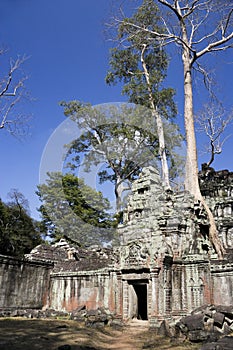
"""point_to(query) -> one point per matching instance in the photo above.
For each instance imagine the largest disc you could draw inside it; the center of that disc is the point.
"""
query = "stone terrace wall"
(93, 289)
(23, 284)
(80, 277)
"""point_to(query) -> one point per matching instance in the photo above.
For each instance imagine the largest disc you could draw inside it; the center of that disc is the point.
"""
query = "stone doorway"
(138, 304)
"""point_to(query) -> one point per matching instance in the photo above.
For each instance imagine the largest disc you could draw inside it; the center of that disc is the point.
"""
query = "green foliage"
(121, 137)
(140, 62)
(114, 134)
(74, 210)
(125, 60)
(124, 138)
(19, 233)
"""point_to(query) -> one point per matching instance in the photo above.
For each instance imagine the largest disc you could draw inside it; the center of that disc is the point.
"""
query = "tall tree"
(122, 137)
(74, 210)
(19, 233)
(199, 28)
(12, 91)
(141, 64)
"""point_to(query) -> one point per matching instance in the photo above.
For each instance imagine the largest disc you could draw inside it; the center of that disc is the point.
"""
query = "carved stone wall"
(166, 234)
(23, 284)
(94, 289)
(217, 188)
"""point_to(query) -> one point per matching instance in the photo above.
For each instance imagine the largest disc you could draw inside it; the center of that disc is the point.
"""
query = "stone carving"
(134, 254)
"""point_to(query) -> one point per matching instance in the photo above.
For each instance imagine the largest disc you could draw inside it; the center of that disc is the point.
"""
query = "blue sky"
(68, 59)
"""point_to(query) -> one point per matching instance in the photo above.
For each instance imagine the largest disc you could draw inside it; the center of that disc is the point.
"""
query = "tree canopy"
(74, 210)
(125, 64)
(122, 137)
(19, 233)
(140, 62)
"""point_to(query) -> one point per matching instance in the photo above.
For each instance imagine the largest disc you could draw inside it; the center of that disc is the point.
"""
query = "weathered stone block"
(218, 319)
(198, 336)
(193, 322)
(225, 343)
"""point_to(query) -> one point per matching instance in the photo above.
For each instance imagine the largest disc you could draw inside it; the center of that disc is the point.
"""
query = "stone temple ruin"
(164, 267)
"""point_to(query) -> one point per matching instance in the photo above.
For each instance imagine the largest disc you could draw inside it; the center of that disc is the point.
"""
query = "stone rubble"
(210, 324)
(92, 318)
(225, 343)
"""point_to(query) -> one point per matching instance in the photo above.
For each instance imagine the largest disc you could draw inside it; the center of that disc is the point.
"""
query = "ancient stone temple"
(165, 265)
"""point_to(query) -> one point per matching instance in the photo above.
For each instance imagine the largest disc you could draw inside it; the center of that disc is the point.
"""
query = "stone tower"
(167, 263)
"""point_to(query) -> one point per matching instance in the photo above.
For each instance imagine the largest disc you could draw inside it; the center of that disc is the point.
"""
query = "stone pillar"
(149, 298)
(154, 307)
(119, 296)
(125, 299)
(167, 285)
(178, 289)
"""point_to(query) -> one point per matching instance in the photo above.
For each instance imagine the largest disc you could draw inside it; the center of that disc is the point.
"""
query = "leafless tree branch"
(213, 122)
(11, 92)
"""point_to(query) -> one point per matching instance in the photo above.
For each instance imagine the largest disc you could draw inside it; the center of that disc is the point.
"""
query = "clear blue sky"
(68, 59)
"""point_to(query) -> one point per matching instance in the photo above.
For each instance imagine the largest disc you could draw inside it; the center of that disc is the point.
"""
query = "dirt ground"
(34, 334)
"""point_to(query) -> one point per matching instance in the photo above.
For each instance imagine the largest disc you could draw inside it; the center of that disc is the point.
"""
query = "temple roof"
(68, 257)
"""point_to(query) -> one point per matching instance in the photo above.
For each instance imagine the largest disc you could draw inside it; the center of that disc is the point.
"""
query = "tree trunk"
(212, 154)
(191, 174)
(191, 167)
(162, 149)
(159, 123)
(118, 193)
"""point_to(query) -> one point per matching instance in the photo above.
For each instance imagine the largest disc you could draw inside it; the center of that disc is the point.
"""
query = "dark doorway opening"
(141, 292)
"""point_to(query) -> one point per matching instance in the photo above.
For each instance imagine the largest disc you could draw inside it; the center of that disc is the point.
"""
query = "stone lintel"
(100, 272)
(192, 259)
(135, 276)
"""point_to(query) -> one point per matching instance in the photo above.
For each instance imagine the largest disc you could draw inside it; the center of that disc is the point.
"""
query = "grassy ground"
(34, 334)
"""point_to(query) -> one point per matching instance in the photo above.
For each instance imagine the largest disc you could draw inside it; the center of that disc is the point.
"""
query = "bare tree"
(212, 121)
(12, 91)
(16, 198)
(198, 28)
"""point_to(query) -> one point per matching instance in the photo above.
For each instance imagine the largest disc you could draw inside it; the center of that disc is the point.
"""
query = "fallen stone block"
(225, 343)
(227, 310)
(193, 322)
(218, 318)
(197, 336)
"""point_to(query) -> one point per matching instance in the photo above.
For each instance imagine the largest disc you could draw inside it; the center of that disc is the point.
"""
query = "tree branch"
(215, 46)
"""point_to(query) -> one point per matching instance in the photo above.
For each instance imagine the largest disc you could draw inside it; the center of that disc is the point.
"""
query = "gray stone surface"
(225, 343)
(207, 323)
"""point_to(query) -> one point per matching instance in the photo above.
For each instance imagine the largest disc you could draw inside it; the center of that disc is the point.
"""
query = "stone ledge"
(15, 261)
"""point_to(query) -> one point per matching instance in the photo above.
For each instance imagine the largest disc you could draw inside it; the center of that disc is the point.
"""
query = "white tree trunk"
(119, 188)
(191, 174)
(159, 124)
